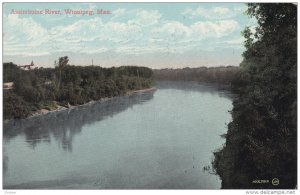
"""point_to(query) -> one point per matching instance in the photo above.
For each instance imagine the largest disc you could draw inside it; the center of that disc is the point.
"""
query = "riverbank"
(58, 108)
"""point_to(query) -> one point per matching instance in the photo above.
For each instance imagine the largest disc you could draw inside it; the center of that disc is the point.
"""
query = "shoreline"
(62, 108)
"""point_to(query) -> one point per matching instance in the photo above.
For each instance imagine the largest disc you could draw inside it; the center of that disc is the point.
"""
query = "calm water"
(160, 139)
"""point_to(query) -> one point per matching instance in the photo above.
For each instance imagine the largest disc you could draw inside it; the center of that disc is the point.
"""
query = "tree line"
(261, 142)
(65, 85)
(222, 75)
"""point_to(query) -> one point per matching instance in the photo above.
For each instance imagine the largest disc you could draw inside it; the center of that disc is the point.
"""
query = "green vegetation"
(221, 75)
(65, 85)
(261, 142)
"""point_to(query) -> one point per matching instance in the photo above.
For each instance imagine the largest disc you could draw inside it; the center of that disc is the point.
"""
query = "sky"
(156, 35)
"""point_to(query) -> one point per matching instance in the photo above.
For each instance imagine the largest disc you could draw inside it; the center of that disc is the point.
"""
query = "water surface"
(151, 140)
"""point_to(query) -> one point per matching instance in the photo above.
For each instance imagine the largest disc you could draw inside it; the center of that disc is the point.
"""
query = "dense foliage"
(222, 75)
(261, 142)
(65, 85)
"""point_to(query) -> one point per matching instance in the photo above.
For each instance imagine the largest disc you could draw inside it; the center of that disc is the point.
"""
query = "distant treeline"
(65, 85)
(222, 75)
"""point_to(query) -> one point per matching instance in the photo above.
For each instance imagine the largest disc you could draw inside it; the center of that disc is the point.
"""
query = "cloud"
(147, 18)
(236, 41)
(140, 17)
(118, 13)
(142, 32)
(215, 29)
(221, 10)
(95, 50)
(81, 30)
(173, 28)
(27, 27)
(29, 54)
(198, 30)
(23, 35)
(233, 43)
(212, 13)
(137, 50)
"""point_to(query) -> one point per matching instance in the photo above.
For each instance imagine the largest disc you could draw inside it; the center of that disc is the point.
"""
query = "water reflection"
(5, 164)
(192, 86)
(64, 125)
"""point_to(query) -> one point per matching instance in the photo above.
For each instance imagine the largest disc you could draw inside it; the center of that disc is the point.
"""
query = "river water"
(151, 140)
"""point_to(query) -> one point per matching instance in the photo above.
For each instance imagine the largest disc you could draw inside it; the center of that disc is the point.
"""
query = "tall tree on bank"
(261, 142)
(62, 63)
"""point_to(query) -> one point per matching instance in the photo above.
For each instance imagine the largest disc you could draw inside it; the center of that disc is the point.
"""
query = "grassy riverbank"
(56, 107)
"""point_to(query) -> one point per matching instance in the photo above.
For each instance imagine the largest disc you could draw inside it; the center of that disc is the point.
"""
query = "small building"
(27, 67)
(8, 85)
(48, 82)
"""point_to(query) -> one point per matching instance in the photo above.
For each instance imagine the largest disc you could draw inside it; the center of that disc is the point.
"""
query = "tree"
(261, 142)
(14, 106)
(62, 63)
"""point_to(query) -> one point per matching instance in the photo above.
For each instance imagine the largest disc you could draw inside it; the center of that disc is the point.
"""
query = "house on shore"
(8, 85)
(27, 67)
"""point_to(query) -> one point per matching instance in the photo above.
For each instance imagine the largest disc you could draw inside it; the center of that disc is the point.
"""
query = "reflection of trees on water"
(211, 88)
(5, 163)
(64, 125)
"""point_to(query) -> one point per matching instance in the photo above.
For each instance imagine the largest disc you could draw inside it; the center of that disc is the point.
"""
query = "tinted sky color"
(157, 35)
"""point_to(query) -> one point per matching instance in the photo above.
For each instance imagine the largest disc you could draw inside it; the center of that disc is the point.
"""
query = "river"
(153, 140)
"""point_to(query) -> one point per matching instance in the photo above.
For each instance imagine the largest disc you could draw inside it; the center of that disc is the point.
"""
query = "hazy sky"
(157, 35)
